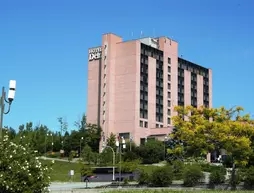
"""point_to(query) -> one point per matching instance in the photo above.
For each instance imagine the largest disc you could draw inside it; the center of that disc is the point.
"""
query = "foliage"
(192, 175)
(86, 170)
(130, 166)
(130, 156)
(20, 169)
(151, 152)
(111, 141)
(162, 177)
(210, 168)
(178, 169)
(249, 179)
(87, 154)
(106, 157)
(216, 177)
(71, 155)
(209, 129)
(144, 177)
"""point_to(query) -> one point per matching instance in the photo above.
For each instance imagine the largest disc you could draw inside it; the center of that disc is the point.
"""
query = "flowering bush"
(20, 169)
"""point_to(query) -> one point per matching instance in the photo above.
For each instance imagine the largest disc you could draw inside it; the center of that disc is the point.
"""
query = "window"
(169, 69)
(169, 77)
(169, 86)
(169, 60)
(169, 103)
(169, 112)
(169, 120)
(169, 94)
(141, 123)
(146, 124)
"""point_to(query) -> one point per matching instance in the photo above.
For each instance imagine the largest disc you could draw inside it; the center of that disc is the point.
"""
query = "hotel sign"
(94, 54)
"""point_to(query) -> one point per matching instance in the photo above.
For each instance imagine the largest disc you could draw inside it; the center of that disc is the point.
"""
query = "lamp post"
(3, 100)
(165, 153)
(52, 142)
(120, 143)
(81, 139)
(106, 146)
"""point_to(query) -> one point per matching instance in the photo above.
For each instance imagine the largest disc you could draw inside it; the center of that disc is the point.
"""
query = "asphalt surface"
(74, 185)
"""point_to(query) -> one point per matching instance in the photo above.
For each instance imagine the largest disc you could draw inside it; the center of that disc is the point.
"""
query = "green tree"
(87, 154)
(151, 152)
(20, 169)
(111, 141)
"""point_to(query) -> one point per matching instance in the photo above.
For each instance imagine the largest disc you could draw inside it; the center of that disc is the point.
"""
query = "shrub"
(192, 175)
(249, 179)
(144, 178)
(20, 169)
(216, 177)
(178, 168)
(162, 177)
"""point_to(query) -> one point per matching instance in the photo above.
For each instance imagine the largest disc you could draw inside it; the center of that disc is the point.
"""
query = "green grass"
(175, 191)
(61, 170)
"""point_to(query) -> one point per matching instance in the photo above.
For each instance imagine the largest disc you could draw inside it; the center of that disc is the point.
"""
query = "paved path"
(58, 186)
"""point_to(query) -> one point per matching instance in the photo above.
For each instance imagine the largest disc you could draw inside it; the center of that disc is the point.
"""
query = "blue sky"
(43, 45)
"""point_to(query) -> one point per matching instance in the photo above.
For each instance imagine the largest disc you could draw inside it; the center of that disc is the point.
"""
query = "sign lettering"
(94, 54)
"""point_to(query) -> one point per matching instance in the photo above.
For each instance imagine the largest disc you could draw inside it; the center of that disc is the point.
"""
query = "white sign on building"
(94, 54)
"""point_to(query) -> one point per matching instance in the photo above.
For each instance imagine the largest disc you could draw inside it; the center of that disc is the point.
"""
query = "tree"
(151, 152)
(204, 130)
(87, 154)
(20, 169)
(111, 141)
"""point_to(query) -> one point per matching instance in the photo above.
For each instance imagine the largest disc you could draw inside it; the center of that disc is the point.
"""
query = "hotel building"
(134, 85)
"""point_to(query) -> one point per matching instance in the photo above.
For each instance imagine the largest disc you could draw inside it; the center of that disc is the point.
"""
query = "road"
(58, 186)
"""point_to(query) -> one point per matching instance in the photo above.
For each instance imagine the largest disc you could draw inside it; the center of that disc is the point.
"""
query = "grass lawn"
(61, 170)
(174, 191)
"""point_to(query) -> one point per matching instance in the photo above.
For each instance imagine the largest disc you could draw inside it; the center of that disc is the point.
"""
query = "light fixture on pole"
(9, 100)
(104, 147)
(165, 141)
(120, 143)
(80, 143)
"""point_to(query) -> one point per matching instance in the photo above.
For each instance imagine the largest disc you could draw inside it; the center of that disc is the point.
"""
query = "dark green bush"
(162, 177)
(178, 168)
(210, 168)
(144, 177)
(216, 177)
(192, 175)
(249, 179)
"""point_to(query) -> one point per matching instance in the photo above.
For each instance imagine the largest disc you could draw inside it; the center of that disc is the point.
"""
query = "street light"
(165, 153)
(80, 146)
(104, 147)
(52, 143)
(3, 100)
(120, 143)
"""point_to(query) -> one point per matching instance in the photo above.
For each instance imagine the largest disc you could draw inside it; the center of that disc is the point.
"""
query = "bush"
(162, 177)
(210, 168)
(216, 177)
(192, 175)
(178, 168)
(20, 169)
(144, 178)
(249, 179)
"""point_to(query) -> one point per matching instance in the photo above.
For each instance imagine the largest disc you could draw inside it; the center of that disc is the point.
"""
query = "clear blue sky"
(43, 45)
